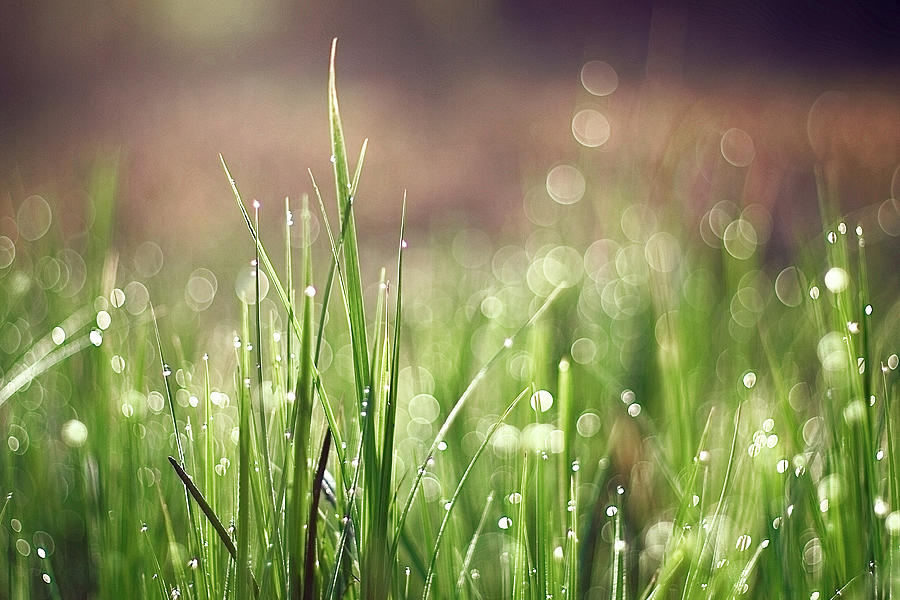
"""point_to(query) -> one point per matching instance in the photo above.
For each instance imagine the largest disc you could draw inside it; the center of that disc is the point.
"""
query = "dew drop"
(96, 337)
(504, 522)
(611, 511)
(103, 320)
(58, 335)
(46, 578)
(749, 380)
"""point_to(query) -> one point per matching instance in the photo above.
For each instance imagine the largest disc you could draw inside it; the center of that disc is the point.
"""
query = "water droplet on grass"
(504, 522)
(96, 337)
(612, 510)
(58, 335)
(103, 320)
(749, 380)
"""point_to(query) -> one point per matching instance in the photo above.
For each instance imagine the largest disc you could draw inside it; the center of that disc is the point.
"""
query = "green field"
(625, 402)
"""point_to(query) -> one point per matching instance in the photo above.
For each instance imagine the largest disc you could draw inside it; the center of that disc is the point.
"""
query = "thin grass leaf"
(210, 514)
(448, 508)
(460, 403)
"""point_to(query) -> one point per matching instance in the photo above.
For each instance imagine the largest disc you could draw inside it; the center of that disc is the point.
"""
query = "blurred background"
(468, 106)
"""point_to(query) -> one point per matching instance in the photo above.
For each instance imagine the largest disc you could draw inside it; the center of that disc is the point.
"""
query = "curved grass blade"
(462, 481)
(470, 550)
(460, 403)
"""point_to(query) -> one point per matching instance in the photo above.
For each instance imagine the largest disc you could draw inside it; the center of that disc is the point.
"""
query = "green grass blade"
(344, 189)
(460, 403)
(448, 509)
(211, 516)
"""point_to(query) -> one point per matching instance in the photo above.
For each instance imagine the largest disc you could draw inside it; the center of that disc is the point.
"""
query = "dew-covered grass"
(626, 402)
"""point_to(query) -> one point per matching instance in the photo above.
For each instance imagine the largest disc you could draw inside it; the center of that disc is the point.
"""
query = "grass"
(615, 407)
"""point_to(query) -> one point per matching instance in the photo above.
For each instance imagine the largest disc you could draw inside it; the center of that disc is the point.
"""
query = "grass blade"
(462, 482)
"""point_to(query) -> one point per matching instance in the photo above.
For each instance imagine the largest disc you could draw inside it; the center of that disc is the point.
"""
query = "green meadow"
(627, 401)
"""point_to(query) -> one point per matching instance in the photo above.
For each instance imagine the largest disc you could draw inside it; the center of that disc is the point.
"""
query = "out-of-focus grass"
(614, 406)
